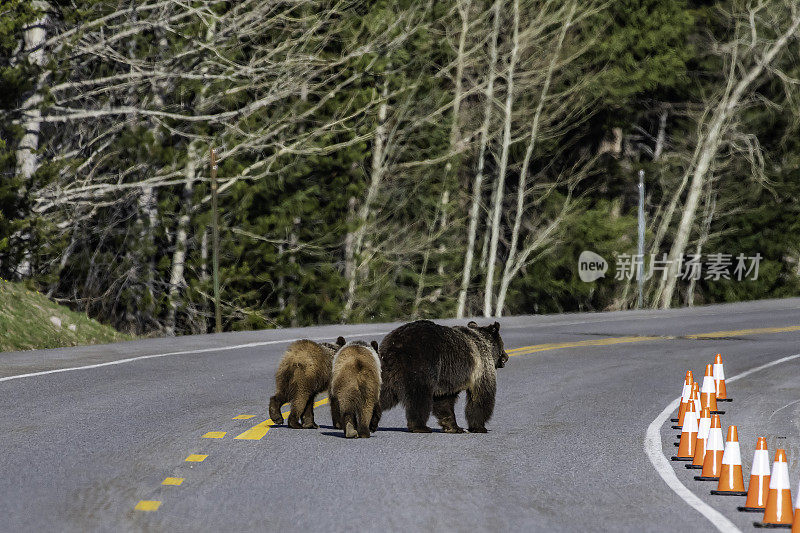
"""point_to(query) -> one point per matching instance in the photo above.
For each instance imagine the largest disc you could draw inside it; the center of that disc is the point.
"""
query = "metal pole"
(215, 240)
(640, 272)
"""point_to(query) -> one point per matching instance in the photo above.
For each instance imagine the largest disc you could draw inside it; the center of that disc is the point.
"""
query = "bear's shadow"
(339, 433)
(333, 432)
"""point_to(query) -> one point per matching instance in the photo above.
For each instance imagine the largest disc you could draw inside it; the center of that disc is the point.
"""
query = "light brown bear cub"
(304, 372)
(355, 387)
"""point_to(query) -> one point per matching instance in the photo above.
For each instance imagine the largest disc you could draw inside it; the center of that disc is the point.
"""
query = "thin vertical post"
(215, 240)
(640, 271)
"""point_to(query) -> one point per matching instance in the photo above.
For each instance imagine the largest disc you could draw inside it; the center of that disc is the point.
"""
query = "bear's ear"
(340, 341)
(374, 345)
(496, 327)
(472, 324)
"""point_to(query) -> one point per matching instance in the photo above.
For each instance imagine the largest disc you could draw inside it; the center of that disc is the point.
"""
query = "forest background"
(392, 160)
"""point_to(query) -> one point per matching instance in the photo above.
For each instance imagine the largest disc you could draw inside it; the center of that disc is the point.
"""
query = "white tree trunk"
(455, 131)
(376, 174)
(27, 160)
(477, 185)
(349, 240)
(147, 222)
(176, 279)
(708, 216)
(34, 37)
(179, 255)
(710, 147)
(501, 172)
(509, 268)
(661, 136)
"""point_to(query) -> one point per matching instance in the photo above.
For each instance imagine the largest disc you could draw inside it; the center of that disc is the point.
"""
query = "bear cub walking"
(426, 365)
(355, 388)
(304, 372)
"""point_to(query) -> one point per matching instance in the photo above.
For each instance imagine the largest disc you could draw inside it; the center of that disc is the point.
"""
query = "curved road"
(83, 448)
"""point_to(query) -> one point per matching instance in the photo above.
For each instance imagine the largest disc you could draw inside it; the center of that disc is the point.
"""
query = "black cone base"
(676, 443)
(694, 467)
(724, 399)
(673, 419)
(682, 458)
(751, 509)
(706, 478)
(772, 526)
(677, 427)
(717, 412)
(729, 493)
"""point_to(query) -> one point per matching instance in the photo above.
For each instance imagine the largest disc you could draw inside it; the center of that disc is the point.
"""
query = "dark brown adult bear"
(355, 387)
(425, 366)
(304, 372)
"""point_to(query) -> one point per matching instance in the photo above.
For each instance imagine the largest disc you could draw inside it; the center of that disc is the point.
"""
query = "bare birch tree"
(477, 184)
(761, 56)
(515, 261)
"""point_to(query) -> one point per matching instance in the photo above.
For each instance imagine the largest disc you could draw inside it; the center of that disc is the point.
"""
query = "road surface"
(102, 438)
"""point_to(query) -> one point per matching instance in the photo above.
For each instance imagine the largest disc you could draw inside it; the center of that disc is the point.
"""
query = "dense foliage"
(356, 137)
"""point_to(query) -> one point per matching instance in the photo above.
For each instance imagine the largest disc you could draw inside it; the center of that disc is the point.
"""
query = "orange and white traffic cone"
(695, 399)
(731, 481)
(703, 428)
(779, 512)
(719, 380)
(698, 406)
(796, 524)
(758, 489)
(686, 394)
(708, 392)
(712, 462)
(688, 435)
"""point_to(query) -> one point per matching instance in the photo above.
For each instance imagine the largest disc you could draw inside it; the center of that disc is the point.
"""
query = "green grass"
(25, 322)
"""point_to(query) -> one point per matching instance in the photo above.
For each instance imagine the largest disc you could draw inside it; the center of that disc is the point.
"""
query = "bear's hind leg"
(376, 417)
(388, 399)
(308, 414)
(444, 411)
(364, 419)
(336, 416)
(348, 421)
(479, 409)
(299, 403)
(418, 401)
(275, 404)
(281, 395)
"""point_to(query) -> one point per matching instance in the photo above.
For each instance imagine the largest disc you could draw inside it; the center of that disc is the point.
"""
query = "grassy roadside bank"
(29, 320)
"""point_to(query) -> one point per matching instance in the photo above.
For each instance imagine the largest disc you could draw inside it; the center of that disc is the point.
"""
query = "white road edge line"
(253, 344)
(590, 322)
(186, 352)
(654, 451)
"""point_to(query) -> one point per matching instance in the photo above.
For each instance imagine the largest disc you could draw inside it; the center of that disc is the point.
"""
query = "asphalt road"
(565, 449)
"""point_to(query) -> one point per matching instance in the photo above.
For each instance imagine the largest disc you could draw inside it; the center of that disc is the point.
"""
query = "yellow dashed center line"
(258, 431)
(577, 344)
(525, 350)
(741, 332)
(148, 505)
(176, 481)
(243, 417)
(196, 458)
(214, 434)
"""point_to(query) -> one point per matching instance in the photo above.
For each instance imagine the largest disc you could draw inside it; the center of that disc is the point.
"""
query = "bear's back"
(355, 358)
(308, 354)
(446, 355)
(423, 338)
